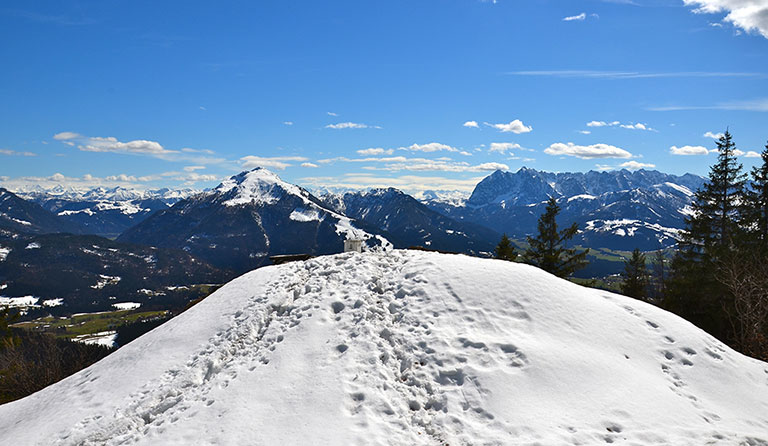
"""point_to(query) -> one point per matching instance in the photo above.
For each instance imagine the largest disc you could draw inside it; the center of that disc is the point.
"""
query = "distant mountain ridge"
(616, 209)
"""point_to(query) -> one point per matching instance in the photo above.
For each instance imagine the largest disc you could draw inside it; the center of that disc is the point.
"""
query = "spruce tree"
(712, 232)
(547, 250)
(757, 203)
(504, 250)
(635, 276)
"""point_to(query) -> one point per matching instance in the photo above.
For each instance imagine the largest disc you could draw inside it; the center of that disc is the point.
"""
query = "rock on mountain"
(105, 211)
(246, 219)
(618, 210)
(407, 222)
(407, 348)
(21, 216)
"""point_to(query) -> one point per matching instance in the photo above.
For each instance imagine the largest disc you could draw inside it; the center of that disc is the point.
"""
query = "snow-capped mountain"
(248, 218)
(407, 222)
(407, 348)
(105, 211)
(620, 209)
(19, 216)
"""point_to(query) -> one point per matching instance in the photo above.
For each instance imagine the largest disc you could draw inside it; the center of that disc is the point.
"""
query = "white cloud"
(398, 163)
(631, 126)
(206, 151)
(193, 168)
(688, 150)
(579, 17)
(585, 132)
(407, 183)
(752, 154)
(111, 144)
(713, 135)
(275, 162)
(65, 136)
(597, 74)
(309, 165)
(287, 122)
(15, 153)
(430, 147)
(749, 15)
(332, 114)
(503, 147)
(465, 153)
(376, 151)
(515, 126)
(634, 165)
(756, 105)
(351, 125)
(587, 152)
(472, 124)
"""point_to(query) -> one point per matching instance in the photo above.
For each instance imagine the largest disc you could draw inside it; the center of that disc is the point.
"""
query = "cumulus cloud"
(749, 15)
(593, 151)
(630, 126)
(515, 126)
(579, 17)
(503, 147)
(15, 153)
(713, 135)
(408, 183)
(634, 165)
(430, 147)
(309, 165)
(752, 154)
(472, 124)
(351, 125)
(688, 150)
(111, 144)
(275, 162)
(398, 163)
(373, 151)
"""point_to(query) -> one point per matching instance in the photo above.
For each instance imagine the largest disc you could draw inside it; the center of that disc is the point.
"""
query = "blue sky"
(413, 94)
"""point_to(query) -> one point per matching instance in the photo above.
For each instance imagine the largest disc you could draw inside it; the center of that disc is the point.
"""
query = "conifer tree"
(547, 250)
(757, 203)
(635, 276)
(504, 250)
(712, 232)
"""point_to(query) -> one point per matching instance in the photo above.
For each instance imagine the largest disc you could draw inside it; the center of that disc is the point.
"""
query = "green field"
(86, 324)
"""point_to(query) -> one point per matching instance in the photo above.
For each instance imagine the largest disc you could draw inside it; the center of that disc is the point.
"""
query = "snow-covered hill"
(407, 348)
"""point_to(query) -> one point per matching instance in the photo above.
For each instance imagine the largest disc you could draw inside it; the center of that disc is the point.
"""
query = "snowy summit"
(407, 348)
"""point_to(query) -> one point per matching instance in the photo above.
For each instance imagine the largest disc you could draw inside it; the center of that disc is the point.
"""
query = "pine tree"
(504, 250)
(757, 203)
(635, 276)
(546, 250)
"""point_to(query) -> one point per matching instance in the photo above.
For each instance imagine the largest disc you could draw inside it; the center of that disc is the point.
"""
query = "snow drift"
(407, 348)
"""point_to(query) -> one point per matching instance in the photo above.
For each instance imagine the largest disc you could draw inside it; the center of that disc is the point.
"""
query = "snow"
(680, 188)
(105, 280)
(581, 197)
(16, 302)
(33, 245)
(258, 186)
(304, 215)
(407, 348)
(4, 253)
(53, 302)
(126, 305)
(105, 338)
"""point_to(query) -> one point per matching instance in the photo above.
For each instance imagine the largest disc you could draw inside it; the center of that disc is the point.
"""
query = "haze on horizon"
(425, 95)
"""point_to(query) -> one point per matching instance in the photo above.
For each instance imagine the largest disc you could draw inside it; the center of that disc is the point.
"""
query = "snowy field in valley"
(407, 348)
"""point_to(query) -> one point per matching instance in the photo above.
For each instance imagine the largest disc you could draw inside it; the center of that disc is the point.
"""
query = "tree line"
(718, 276)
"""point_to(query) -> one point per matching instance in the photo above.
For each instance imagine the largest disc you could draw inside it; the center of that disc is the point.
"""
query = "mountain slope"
(407, 222)
(86, 273)
(246, 219)
(21, 216)
(407, 348)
